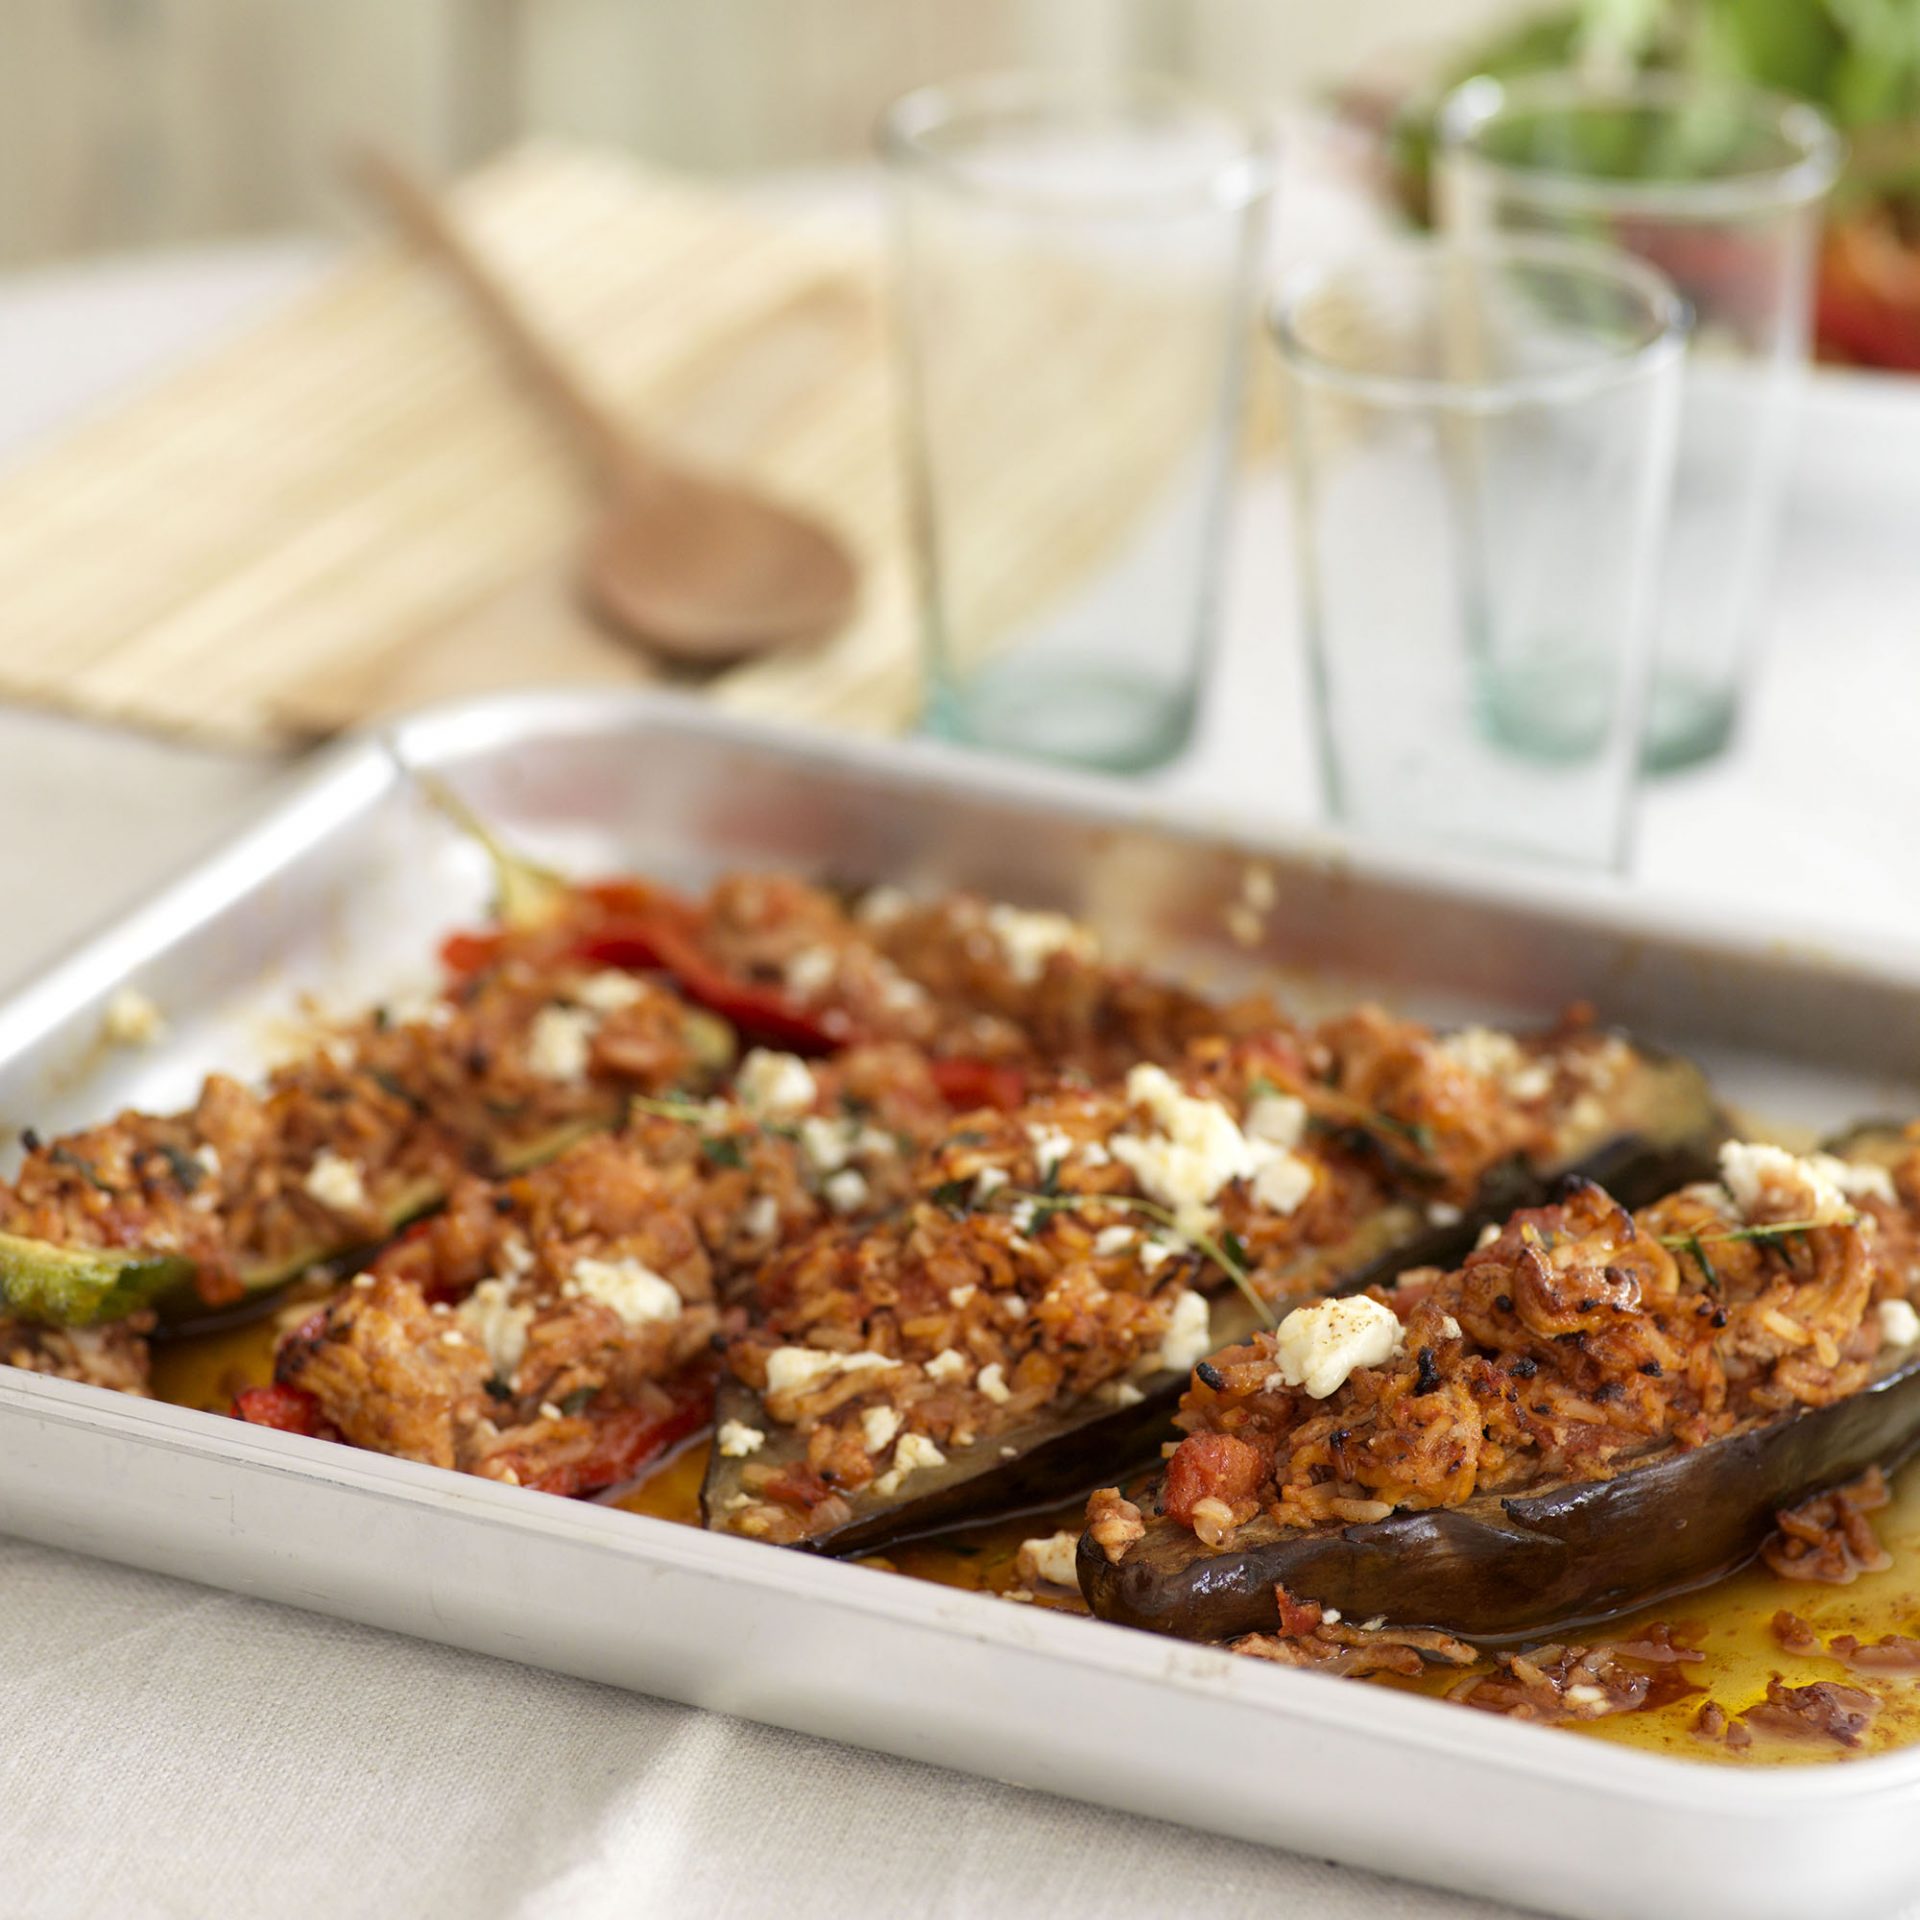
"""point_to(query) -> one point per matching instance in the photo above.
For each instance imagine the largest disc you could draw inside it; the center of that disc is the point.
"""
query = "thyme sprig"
(1772, 1233)
(1231, 1263)
(1766, 1235)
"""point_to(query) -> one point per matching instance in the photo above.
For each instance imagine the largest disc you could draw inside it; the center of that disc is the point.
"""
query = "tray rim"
(366, 767)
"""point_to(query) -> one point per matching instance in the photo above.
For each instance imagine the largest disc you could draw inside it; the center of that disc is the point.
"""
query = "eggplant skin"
(1669, 1133)
(1520, 1566)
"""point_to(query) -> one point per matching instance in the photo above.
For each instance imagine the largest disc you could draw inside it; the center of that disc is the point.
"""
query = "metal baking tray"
(341, 891)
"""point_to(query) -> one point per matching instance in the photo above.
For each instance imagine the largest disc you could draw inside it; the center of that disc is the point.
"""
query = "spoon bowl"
(690, 566)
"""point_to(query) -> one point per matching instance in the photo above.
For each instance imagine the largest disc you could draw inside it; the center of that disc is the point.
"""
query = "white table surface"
(177, 1751)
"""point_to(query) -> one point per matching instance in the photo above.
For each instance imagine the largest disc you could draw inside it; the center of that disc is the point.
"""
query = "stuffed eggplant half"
(1031, 1313)
(1598, 1409)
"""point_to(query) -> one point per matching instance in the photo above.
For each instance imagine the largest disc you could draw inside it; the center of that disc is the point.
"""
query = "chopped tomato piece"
(1210, 1466)
(286, 1409)
(626, 1443)
(465, 954)
(966, 1084)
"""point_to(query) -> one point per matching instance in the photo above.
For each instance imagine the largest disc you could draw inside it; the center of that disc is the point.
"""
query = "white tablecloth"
(172, 1750)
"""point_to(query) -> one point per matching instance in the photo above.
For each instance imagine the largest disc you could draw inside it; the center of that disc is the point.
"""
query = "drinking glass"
(1483, 446)
(1075, 263)
(1720, 187)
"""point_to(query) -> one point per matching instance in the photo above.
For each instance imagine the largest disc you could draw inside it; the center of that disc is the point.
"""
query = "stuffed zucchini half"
(1036, 1308)
(197, 1211)
(1599, 1409)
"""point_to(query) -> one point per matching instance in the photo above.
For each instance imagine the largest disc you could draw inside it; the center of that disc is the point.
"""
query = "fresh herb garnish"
(1044, 1204)
(956, 1196)
(579, 1400)
(723, 1150)
(186, 1170)
(1772, 1232)
(66, 1157)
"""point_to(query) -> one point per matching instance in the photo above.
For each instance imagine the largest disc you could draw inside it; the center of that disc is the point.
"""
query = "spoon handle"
(600, 439)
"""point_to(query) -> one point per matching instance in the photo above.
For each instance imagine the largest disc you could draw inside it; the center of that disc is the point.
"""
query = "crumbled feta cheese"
(635, 1292)
(1485, 1051)
(607, 991)
(878, 1425)
(1899, 1324)
(1283, 1183)
(992, 1384)
(1188, 1335)
(760, 1217)
(736, 1439)
(132, 1020)
(949, 1364)
(775, 1083)
(1154, 1253)
(1449, 1326)
(559, 1042)
(1023, 1213)
(1029, 940)
(881, 906)
(420, 1008)
(1767, 1183)
(499, 1325)
(1317, 1347)
(1051, 1148)
(1050, 1559)
(1277, 1118)
(337, 1183)
(1854, 1178)
(847, 1190)
(810, 971)
(1093, 1153)
(828, 1144)
(959, 1296)
(516, 1257)
(914, 1452)
(1499, 1057)
(1197, 1151)
(1111, 1240)
(800, 1369)
(986, 1183)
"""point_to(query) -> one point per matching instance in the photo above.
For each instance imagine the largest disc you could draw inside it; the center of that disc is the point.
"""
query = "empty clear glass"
(1483, 445)
(1721, 188)
(1075, 262)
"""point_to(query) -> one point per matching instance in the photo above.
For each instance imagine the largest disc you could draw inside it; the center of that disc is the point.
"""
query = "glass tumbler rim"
(1660, 342)
(1239, 178)
(1814, 144)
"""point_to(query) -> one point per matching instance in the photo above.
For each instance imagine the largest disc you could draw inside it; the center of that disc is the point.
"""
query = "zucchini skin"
(83, 1286)
(1507, 1568)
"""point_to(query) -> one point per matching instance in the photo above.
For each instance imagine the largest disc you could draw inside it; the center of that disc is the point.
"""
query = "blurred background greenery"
(138, 122)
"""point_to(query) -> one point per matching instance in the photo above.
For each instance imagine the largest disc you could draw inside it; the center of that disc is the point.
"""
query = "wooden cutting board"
(352, 509)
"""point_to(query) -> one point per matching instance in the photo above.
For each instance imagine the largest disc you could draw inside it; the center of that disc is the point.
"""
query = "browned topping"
(1578, 1337)
(1891, 1653)
(1114, 1524)
(1711, 1723)
(1317, 1637)
(503, 1343)
(113, 1356)
(1829, 1537)
(1793, 1633)
(341, 1144)
(1823, 1711)
(1555, 1683)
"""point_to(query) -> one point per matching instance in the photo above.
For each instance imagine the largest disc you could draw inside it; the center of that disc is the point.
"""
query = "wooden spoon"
(700, 569)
